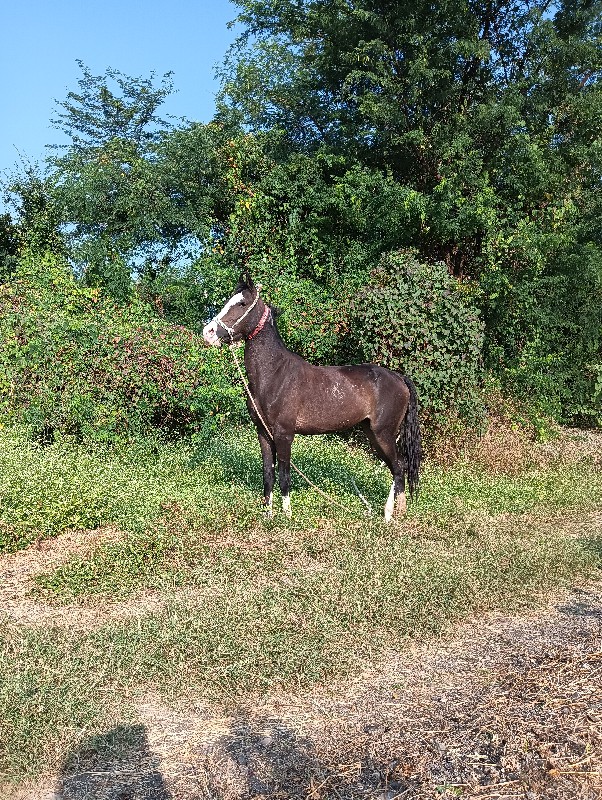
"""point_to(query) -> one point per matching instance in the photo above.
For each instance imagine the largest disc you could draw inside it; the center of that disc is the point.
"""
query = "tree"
(482, 119)
(9, 246)
(123, 204)
(482, 107)
(34, 226)
(112, 106)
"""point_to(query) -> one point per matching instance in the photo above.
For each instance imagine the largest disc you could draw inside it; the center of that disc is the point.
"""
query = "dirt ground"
(18, 570)
(502, 707)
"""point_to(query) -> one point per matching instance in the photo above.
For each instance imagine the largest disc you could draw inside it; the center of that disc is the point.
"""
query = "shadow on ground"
(242, 465)
(512, 710)
(516, 713)
(274, 761)
(117, 765)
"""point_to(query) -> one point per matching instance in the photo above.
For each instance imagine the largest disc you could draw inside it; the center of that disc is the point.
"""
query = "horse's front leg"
(284, 442)
(268, 454)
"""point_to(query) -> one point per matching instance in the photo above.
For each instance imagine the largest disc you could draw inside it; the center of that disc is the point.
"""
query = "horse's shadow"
(117, 765)
(240, 463)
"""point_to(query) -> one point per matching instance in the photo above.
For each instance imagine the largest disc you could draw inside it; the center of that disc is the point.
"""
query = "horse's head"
(240, 317)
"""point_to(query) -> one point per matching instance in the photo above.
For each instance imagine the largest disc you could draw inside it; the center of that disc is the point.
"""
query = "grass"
(46, 490)
(261, 604)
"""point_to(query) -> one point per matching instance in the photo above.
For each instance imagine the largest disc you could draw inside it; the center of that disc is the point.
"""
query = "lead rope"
(328, 497)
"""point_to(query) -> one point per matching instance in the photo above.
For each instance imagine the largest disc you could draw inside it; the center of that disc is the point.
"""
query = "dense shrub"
(419, 320)
(544, 325)
(74, 361)
(315, 318)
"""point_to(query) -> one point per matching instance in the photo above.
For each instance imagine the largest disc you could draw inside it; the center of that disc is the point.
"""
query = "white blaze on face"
(210, 329)
(237, 298)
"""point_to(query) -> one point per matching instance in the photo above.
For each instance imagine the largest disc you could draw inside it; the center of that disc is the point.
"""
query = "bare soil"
(18, 570)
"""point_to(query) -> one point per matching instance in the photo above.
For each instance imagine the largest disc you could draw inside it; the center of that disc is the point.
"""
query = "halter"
(230, 331)
(264, 317)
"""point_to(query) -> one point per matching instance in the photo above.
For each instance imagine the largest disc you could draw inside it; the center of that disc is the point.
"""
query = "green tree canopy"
(480, 123)
(347, 129)
(134, 192)
(485, 108)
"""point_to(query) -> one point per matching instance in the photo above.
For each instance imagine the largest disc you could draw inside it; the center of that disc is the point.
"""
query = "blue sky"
(41, 41)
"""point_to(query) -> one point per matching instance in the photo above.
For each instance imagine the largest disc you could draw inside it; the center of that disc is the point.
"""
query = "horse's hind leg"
(384, 442)
(268, 454)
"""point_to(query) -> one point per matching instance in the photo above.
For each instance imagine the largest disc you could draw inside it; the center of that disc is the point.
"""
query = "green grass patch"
(263, 604)
(54, 688)
(217, 481)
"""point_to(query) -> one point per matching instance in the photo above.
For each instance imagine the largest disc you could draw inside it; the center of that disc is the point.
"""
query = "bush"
(315, 318)
(545, 331)
(417, 319)
(74, 361)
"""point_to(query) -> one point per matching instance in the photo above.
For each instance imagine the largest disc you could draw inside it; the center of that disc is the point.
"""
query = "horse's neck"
(264, 355)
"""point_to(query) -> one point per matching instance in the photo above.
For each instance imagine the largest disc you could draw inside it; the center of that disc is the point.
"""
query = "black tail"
(412, 441)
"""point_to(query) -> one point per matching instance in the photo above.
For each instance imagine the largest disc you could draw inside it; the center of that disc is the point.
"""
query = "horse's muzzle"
(210, 334)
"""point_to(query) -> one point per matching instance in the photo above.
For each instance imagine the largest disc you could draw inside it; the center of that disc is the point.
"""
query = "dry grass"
(504, 447)
(501, 708)
(17, 580)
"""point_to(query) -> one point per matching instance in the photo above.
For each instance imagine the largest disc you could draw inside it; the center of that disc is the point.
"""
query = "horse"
(288, 395)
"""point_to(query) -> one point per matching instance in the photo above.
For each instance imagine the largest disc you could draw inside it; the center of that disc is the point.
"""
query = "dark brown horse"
(292, 396)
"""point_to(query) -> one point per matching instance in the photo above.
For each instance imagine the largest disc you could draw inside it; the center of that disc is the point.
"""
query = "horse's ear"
(246, 280)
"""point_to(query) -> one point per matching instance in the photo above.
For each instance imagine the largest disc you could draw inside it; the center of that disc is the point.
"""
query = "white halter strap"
(230, 331)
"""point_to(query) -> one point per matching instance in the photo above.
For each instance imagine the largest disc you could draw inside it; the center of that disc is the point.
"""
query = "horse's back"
(335, 398)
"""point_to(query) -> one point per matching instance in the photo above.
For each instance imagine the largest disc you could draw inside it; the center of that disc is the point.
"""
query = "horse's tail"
(410, 443)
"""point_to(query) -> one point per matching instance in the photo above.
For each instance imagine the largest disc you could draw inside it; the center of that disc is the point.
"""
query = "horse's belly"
(330, 411)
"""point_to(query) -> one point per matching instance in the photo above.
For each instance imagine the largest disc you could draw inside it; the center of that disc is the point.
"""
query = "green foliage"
(135, 196)
(112, 106)
(310, 229)
(544, 315)
(474, 131)
(9, 246)
(417, 319)
(37, 217)
(470, 133)
(75, 362)
(105, 182)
